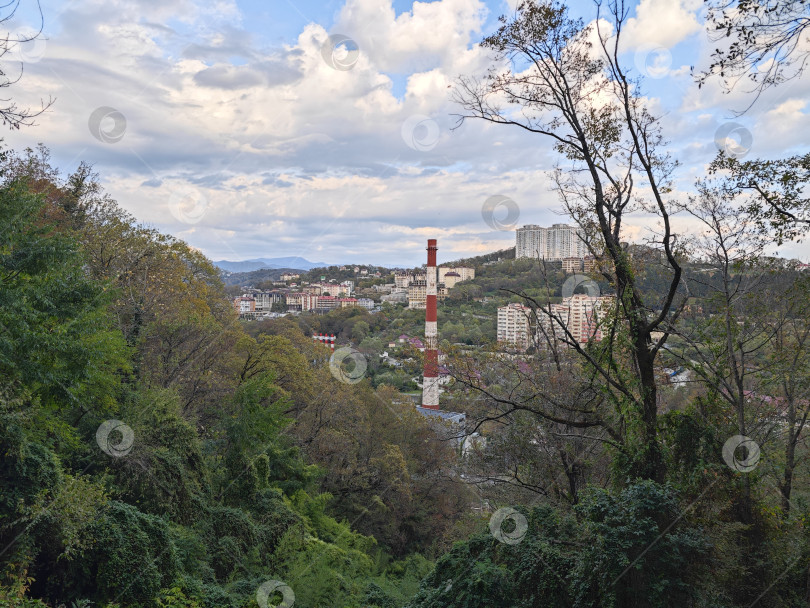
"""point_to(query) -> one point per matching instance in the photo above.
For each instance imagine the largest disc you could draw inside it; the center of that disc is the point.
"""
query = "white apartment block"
(581, 314)
(244, 304)
(264, 300)
(514, 326)
(556, 243)
(465, 273)
(402, 280)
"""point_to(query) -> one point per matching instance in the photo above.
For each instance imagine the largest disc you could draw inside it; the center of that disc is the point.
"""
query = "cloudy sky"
(232, 125)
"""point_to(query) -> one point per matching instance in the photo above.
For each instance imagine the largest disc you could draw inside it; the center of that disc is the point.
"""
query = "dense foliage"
(154, 454)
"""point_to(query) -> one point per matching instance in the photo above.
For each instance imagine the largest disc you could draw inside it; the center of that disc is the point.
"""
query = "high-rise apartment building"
(513, 325)
(581, 314)
(556, 243)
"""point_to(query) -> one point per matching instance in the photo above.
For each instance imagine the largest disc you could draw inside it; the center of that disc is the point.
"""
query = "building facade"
(582, 315)
(465, 273)
(556, 243)
(514, 326)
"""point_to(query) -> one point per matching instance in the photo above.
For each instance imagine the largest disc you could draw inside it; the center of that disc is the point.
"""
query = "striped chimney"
(430, 377)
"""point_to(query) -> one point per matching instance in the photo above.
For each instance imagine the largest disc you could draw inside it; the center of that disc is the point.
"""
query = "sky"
(325, 129)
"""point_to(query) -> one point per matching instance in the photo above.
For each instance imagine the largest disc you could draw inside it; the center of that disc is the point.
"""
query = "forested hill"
(154, 454)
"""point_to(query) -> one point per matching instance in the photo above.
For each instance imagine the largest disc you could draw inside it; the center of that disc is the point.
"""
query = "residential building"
(402, 279)
(514, 325)
(464, 272)
(572, 265)
(451, 278)
(244, 304)
(556, 243)
(289, 277)
(581, 314)
(417, 294)
(264, 300)
(326, 303)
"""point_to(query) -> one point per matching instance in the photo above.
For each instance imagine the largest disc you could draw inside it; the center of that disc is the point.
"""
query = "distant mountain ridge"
(293, 262)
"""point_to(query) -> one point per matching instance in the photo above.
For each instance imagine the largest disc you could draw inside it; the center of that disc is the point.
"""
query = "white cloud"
(662, 23)
(294, 156)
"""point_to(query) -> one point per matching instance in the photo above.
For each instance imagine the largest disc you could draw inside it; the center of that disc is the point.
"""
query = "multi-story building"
(302, 301)
(326, 303)
(451, 278)
(244, 304)
(264, 300)
(514, 326)
(465, 273)
(402, 279)
(417, 294)
(571, 265)
(582, 315)
(556, 243)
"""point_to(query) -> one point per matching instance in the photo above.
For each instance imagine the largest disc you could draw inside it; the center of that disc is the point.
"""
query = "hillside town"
(518, 326)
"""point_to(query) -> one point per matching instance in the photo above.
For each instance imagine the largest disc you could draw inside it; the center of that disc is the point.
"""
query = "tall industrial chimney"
(430, 377)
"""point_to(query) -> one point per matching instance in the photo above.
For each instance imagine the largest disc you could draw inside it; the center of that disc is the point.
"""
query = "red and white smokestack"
(430, 377)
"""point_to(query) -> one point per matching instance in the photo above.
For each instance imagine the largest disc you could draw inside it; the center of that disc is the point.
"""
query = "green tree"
(575, 92)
